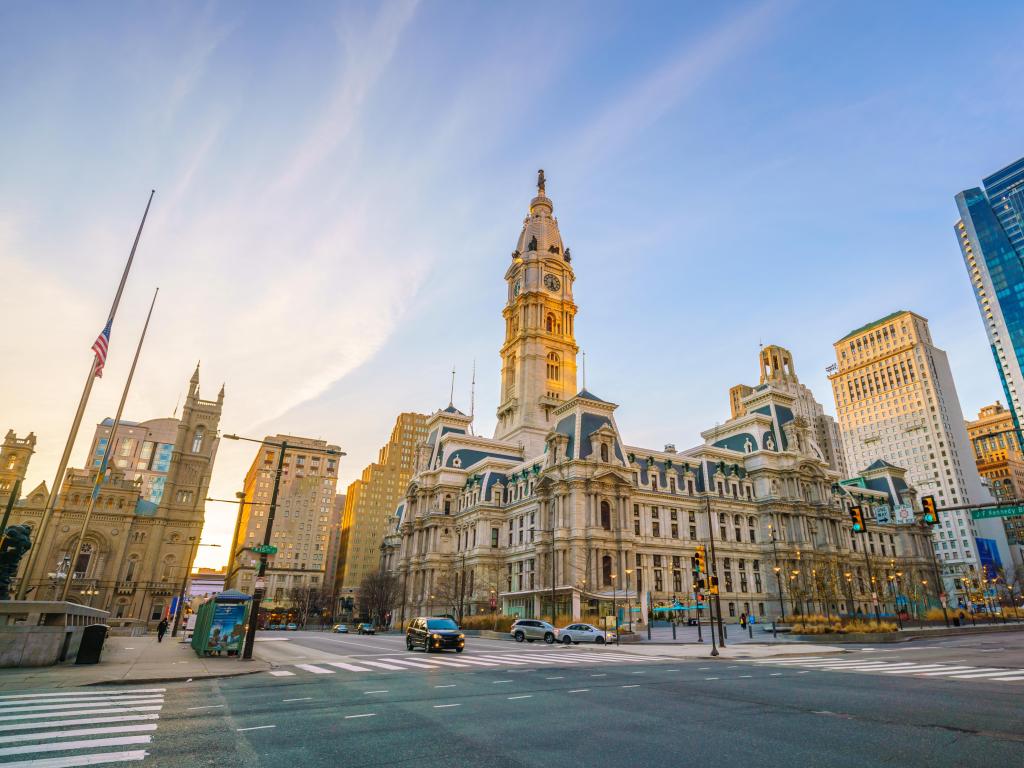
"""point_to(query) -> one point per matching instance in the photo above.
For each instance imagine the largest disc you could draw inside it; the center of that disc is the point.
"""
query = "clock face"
(552, 283)
(517, 287)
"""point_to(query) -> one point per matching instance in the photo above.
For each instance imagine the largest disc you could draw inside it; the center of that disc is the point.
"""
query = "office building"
(997, 452)
(142, 449)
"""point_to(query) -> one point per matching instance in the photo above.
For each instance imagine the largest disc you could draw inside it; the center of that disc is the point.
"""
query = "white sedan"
(584, 633)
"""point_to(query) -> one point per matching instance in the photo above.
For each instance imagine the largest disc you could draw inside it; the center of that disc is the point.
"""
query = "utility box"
(220, 624)
(92, 644)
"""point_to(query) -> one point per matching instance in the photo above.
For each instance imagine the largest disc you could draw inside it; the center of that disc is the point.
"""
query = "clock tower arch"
(538, 357)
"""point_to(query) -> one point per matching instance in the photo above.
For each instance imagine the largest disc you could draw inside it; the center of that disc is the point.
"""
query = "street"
(359, 701)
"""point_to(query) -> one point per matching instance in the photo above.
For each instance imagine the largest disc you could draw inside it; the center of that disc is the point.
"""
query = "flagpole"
(51, 499)
(106, 455)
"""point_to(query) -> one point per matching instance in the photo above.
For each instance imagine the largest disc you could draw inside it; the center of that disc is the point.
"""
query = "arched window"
(606, 570)
(12, 460)
(554, 366)
(604, 452)
(168, 571)
(197, 440)
(550, 325)
(129, 571)
(82, 563)
(606, 515)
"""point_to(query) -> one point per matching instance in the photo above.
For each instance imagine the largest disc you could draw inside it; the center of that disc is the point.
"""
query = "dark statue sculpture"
(533, 244)
(16, 541)
(541, 182)
(567, 255)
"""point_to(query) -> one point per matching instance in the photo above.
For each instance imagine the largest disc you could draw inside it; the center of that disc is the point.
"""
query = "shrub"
(488, 621)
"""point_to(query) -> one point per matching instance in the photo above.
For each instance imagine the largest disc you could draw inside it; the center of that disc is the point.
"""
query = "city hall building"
(557, 509)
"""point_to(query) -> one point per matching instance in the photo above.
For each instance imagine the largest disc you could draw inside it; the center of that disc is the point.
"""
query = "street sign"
(261, 582)
(265, 549)
(904, 514)
(883, 514)
(1008, 511)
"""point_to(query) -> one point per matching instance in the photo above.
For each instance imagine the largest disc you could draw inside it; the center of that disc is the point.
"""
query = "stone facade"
(557, 515)
(136, 556)
(997, 453)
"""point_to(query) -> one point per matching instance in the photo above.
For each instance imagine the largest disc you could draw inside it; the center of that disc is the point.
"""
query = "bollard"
(775, 631)
(673, 630)
(648, 629)
(750, 627)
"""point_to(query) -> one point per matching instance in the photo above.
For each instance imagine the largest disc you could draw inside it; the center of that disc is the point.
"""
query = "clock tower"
(538, 358)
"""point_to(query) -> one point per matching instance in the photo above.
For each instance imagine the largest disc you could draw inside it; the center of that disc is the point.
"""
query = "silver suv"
(533, 629)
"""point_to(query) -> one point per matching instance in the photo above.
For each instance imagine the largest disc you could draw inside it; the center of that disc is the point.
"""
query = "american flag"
(100, 348)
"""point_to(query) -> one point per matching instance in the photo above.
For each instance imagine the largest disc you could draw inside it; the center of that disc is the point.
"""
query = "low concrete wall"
(487, 634)
(906, 635)
(39, 633)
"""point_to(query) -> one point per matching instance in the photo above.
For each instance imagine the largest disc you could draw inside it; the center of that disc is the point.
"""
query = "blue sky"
(339, 188)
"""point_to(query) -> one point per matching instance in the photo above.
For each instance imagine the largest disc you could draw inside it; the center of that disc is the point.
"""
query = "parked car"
(293, 627)
(584, 633)
(366, 628)
(341, 629)
(533, 629)
(434, 634)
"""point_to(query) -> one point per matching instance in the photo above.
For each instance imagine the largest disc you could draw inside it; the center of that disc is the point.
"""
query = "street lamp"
(778, 571)
(629, 602)
(615, 610)
(260, 583)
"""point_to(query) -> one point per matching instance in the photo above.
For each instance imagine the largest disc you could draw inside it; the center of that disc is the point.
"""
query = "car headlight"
(462, 637)
(435, 637)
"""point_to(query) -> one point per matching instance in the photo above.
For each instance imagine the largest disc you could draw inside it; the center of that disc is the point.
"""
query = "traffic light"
(857, 518)
(931, 514)
(701, 559)
(714, 585)
(698, 582)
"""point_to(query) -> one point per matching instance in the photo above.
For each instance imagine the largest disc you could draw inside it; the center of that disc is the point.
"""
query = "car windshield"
(441, 624)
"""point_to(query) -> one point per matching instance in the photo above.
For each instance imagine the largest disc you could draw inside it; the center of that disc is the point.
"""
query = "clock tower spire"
(538, 358)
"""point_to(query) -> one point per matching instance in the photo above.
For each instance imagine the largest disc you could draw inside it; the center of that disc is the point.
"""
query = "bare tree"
(379, 593)
(448, 594)
(308, 601)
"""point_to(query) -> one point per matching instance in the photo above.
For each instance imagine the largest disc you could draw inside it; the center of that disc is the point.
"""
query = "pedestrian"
(743, 620)
(161, 630)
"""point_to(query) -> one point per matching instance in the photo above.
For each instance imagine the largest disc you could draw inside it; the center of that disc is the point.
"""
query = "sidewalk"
(132, 660)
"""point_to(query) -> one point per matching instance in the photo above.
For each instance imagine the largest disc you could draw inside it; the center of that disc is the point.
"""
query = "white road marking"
(255, 728)
(983, 672)
(710, 678)
(775, 674)
(578, 690)
(56, 708)
(525, 696)
(353, 717)
(130, 692)
(947, 671)
(73, 713)
(448, 663)
(77, 732)
(671, 670)
(635, 685)
(29, 749)
(478, 662)
(208, 706)
(452, 685)
(1008, 679)
(349, 667)
(304, 698)
(445, 706)
(417, 664)
(72, 761)
(13, 706)
(554, 678)
(315, 669)
(913, 670)
(495, 682)
(281, 673)
(85, 721)
(602, 674)
(382, 665)
(367, 693)
(746, 676)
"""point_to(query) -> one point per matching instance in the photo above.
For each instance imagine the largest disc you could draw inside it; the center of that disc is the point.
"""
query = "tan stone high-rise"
(370, 502)
(305, 503)
(896, 400)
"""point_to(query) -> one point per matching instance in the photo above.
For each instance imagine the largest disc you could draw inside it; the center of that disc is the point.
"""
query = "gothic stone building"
(556, 509)
(136, 555)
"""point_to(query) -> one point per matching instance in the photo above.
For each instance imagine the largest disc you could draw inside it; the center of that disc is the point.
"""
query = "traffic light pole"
(938, 581)
(257, 593)
(713, 574)
(871, 582)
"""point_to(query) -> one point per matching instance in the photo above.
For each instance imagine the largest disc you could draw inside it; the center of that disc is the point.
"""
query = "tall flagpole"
(51, 500)
(106, 456)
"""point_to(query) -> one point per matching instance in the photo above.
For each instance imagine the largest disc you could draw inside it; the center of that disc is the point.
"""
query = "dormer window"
(604, 452)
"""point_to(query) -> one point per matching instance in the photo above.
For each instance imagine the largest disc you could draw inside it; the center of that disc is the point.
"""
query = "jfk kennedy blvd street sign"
(1007, 511)
(265, 549)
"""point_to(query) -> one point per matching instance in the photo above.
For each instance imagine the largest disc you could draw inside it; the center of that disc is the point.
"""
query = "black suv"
(434, 634)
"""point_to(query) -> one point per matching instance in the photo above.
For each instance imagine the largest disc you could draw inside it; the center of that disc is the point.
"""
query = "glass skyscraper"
(991, 236)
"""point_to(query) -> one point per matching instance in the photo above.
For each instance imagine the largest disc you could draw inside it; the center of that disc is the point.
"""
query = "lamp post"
(714, 571)
(778, 571)
(257, 596)
(895, 607)
(629, 602)
(615, 610)
(848, 576)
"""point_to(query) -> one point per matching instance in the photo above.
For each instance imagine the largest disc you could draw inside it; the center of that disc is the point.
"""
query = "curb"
(176, 679)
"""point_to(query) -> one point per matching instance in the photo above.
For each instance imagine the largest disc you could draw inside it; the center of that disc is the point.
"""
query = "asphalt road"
(554, 707)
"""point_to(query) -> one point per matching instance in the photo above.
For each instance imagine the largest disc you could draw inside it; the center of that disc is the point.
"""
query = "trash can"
(92, 644)
(956, 621)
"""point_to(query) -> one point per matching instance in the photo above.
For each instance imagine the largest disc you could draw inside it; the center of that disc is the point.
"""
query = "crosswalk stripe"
(947, 671)
(478, 662)
(419, 664)
(78, 694)
(349, 667)
(382, 665)
(73, 761)
(914, 670)
(83, 721)
(56, 708)
(111, 711)
(1008, 679)
(990, 672)
(315, 669)
(500, 660)
(77, 732)
(14, 706)
(30, 749)
(450, 663)
(281, 673)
